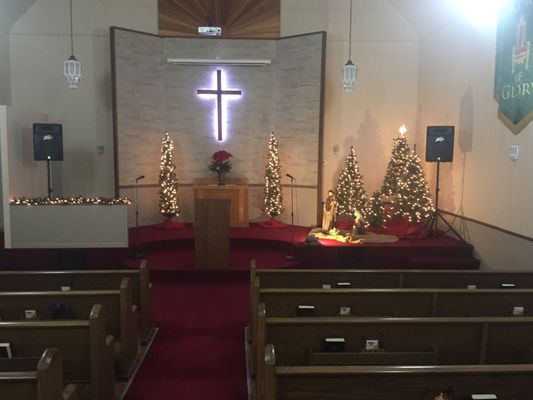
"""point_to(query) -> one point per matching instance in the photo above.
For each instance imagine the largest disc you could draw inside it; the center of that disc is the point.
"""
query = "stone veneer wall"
(153, 96)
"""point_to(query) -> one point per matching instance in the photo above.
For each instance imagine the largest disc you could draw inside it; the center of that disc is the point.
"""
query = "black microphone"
(139, 178)
(290, 176)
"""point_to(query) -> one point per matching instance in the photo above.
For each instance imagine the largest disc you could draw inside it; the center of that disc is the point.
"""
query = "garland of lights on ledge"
(69, 201)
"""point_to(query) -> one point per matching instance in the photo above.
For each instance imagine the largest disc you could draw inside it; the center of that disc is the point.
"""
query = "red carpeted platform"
(173, 250)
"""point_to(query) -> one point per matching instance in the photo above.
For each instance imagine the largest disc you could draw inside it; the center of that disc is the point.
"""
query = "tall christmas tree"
(273, 196)
(168, 182)
(351, 195)
(405, 186)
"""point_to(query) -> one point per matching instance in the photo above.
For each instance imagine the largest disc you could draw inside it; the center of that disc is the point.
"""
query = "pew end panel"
(128, 353)
(145, 304)
(101, 357)
(43, 380)
(50, 375)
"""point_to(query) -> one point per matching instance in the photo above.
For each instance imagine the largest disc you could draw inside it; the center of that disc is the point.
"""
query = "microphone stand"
(292, 256)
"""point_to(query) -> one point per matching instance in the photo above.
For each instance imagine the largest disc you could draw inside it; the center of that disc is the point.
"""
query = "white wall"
(40, 43)
(10, 11)
(5, 92)
(385, 50)
(283, 97)
(21, 176)
(456, 87)
(448, 78)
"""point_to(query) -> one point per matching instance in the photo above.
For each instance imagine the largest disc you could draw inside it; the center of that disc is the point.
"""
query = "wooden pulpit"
(211, 233)
(235, 189)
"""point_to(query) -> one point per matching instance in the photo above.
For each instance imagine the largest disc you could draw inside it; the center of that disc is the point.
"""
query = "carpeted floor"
(198, 353)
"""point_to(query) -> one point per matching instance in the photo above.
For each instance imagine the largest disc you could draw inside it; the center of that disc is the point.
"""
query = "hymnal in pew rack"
(334, 344)
(305, 310)
(5, 350)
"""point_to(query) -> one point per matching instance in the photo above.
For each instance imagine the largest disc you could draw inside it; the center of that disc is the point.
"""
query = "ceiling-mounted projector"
(210, 30)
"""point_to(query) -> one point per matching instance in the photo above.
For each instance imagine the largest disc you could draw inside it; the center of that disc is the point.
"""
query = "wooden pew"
(484, 340)
(35, 378)
(512, 381)
(86, 348)
(280, 302)
(89, 280)
(398, 302)
(458, 341)
(315, 278)
(121, 314)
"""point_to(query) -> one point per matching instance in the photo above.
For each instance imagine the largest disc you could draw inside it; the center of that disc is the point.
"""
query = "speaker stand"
(49, 175)
(431, 224)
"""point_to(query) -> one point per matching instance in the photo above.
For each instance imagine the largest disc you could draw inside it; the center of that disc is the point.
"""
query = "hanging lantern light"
(72, 67)
(349, 71)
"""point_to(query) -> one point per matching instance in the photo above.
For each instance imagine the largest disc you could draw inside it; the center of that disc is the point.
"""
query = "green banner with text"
(513, 81)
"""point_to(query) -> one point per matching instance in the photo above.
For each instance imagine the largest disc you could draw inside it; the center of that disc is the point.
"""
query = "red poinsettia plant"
(221, 161)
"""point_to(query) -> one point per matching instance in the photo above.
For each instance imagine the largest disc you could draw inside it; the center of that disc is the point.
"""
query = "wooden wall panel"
(238, 18)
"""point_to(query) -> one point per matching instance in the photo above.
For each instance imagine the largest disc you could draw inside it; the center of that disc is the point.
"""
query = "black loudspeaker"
(47, 142)
(439, 143)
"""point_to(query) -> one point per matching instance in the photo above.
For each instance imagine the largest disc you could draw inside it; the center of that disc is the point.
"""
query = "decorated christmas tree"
(376, 211)
(273, 196)
(404, 187)
(351, 195)
(168, 182)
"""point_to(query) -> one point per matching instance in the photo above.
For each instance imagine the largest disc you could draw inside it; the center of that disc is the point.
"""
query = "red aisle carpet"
(198, 353)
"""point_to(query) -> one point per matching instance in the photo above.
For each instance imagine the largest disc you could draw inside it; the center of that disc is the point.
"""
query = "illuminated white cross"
(219, 92)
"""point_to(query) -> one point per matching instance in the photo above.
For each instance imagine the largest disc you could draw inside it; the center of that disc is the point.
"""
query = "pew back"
(84, 344)
(121, 315)
(474, 340)
(315, 278)
(16, 281)
(398, 302)
(35, 378)
(380, 383)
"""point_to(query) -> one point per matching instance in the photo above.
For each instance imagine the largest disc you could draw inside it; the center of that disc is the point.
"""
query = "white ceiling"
(11, 10)
(426, 15)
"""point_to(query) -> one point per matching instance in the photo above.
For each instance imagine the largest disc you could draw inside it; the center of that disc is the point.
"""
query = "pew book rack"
(5, 350)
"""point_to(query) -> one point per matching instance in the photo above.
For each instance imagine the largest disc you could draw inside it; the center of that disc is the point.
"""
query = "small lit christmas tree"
(168, 194)
(405, 186)
(351, 195)
(376, 211)
(273, 196)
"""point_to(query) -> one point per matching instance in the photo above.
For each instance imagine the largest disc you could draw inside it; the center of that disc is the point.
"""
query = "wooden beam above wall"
(238, 18)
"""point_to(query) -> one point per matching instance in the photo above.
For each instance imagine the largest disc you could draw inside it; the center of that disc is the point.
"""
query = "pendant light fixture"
(72, 68)
(349, 71)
